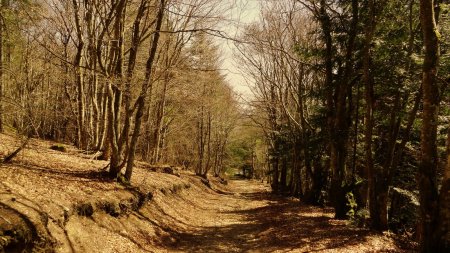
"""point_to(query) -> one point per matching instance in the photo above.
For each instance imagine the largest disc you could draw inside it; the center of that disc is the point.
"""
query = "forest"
(347, 114)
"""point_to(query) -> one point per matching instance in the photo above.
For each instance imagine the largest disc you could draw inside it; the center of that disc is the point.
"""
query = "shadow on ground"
(284, 225)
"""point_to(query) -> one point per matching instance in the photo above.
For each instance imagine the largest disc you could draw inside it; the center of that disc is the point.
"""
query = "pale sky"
(243, 13)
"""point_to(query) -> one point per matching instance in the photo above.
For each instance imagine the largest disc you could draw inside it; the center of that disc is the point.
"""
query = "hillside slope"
(61, 201)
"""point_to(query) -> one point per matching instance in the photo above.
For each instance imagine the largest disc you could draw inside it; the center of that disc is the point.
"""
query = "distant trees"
(282, 80)
(203, 109)
(10, 14)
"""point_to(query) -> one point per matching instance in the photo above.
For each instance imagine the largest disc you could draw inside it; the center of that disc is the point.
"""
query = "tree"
(303, 85)
(104, 44)
(444, 215)
(430, 222)
(1, 67)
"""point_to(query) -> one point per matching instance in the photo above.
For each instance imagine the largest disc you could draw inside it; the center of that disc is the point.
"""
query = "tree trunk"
(444, 231)
(201, 142)
(427, 175)
(115, 93)
(339, 136)
(208, 146)
(275, 173)
(78, 75)
(140, 103)
(95, 90)
(368, 120)
(161, 109)
(296, 166)
(112, 146)
(376, 182)
(1, 70)
(283, 174)
(325, 22)
(275, 145)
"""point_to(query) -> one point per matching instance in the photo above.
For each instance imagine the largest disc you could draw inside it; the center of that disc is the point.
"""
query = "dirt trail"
(253, 220)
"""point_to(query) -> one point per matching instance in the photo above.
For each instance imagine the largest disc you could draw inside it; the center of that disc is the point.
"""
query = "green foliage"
(351, 204)
(240, 152)
(360, 218)
(404, 210)
(307, 52)
(444, 26)
(245, 144)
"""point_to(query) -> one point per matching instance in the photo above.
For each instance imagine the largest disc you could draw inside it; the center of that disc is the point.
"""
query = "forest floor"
(254, 220)
(53, 201)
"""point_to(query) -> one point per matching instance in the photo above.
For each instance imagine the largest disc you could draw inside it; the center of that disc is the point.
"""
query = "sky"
(242, 13)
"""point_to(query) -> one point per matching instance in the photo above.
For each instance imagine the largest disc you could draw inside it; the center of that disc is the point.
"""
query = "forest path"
(253, 220)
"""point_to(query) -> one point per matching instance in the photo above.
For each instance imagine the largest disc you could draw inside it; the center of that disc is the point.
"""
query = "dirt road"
(253, 220)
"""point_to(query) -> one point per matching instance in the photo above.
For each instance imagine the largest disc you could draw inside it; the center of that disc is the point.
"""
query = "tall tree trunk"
(160, 120)
(78, 75)
(275, 173)
(1, 68)
(162, 108)
(325, 22)
(104, 143)
(112, 148)
(340, 136)
(201, 141)
(274, 153)
(283, 174)
(208, 145)
(94, 95)
(376, 182)
(444, 231)
(427, 175)
(140, 103)
(368, 118)
(115, 93)
(124, 140)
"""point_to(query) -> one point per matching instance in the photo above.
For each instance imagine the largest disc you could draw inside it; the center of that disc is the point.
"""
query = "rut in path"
(253, 220)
